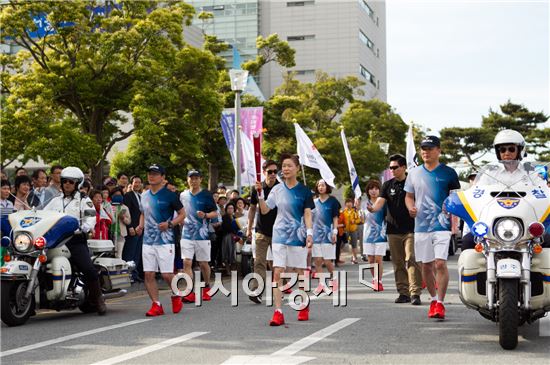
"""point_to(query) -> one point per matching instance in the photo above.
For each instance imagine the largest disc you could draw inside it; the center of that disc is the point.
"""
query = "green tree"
(174, 114)
(474, 143)
(87, 72)
(271, 49)
(319, 107)
(470, 143)
(532, 125)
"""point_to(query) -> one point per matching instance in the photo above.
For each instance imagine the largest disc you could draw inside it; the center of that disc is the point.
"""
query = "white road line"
(544, 326)
(69, 337)
(148, 349)
(313, 338)
(285, 356)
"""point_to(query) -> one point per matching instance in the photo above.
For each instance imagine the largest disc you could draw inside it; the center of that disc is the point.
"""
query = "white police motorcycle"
(37, 272)
(506, 277)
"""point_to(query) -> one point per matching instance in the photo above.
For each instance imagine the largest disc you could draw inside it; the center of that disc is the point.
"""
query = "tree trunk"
(213, 174)
(97, 174)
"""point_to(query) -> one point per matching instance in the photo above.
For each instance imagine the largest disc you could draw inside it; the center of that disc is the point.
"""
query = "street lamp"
(238, 84)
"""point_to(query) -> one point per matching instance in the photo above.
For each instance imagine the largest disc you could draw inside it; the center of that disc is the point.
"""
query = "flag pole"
(304, 174)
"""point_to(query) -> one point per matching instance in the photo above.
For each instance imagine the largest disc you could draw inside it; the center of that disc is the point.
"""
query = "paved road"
(371, 329)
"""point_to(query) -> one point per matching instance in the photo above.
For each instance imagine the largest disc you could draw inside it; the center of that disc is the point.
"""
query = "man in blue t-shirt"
(427, 187)
(158, 205)
(195, 241)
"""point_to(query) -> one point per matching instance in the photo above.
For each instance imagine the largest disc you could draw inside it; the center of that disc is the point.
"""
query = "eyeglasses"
(269, 172)
(394, 167)
(503, 149)
(68, 181)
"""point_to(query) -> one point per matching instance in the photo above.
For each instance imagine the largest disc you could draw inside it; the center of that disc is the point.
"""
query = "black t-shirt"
(265, 222)
(397, 217)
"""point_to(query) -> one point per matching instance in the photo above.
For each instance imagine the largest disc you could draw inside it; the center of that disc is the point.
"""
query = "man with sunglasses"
(264, 224)
(427, 187)
(82, 208)
(400, 231)
(509, 146)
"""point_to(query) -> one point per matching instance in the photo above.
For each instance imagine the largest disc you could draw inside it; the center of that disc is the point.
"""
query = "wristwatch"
(170, 224)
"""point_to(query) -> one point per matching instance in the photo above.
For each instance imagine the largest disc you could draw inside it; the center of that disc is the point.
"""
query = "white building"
(340, 37)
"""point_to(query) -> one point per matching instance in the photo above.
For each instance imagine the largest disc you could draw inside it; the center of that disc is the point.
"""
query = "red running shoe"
(190, 298)
(156, 310)
(278, 319)
(177, 304)
(303, 314)
(439, 311)
(380, 286)
(205, 296)
(431, 311)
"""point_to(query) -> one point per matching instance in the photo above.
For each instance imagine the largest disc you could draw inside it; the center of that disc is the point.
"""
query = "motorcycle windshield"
(513, 174)
(505, 185)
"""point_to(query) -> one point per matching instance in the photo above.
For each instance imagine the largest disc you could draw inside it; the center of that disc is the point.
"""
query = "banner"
(352, 173)
(248, 177)
(251, 123)
(310, 156)
(411, 156)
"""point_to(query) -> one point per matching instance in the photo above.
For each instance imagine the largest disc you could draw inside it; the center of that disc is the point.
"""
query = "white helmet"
(509, 136)
(73, 173)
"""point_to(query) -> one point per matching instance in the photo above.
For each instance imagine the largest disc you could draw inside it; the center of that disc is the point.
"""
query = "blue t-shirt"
(430, 189)
(374, 230)
(157, 208)
(289, 227)
(323, 216)
(195, 228)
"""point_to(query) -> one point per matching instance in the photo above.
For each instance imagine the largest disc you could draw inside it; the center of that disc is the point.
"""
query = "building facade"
(339, 37)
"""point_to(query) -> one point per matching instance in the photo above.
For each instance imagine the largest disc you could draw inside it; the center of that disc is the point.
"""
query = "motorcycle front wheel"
(508, 314)
(13, 311)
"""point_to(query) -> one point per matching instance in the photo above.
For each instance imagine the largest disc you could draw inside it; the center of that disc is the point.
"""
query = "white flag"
(248, 175)
(352, 173)
(412, 160)
(309, 156)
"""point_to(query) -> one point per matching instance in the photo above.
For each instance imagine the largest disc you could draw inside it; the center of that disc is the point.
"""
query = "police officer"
(72, 203)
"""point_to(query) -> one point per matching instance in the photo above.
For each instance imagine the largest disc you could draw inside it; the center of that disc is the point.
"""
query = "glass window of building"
(366, 40)
(367, 8)
(367, 74)
(300, 37)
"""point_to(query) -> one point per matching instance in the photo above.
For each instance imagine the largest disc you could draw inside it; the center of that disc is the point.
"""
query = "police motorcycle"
(506, 277)
(37, 273)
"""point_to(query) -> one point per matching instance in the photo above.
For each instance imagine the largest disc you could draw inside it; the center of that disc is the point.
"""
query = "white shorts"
(429, 246)
(375, 249)
(158, 257)
(289, 256)
(200, 249)
(325, 250)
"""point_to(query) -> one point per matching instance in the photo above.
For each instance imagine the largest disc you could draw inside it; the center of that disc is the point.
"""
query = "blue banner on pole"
(228, 129)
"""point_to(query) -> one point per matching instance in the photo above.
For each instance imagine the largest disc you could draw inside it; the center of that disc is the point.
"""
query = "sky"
(450, 61)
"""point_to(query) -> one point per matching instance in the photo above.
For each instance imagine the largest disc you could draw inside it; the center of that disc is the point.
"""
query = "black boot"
(96, 297)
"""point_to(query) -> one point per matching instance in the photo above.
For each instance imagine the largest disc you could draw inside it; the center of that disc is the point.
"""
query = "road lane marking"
(286, 355)
(544, 326)
(69, 337)
(149, 349)
(315, 337)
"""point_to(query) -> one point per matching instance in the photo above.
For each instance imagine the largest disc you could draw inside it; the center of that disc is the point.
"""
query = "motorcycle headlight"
(508, 230)
(22, 242)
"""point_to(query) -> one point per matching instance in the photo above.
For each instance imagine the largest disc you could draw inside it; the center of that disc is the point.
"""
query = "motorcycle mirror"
(6, 241)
